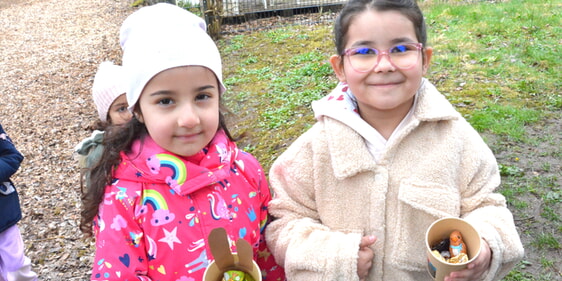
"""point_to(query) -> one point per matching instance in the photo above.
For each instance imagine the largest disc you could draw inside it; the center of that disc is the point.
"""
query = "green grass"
(194, 8)
(510, 170)
(284, 70)
(499, 63)
(504, 120)
(547, 240)
(505, 52)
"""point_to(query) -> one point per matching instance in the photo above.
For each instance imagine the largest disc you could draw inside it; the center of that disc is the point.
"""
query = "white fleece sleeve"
(487, 211)
(307, 249)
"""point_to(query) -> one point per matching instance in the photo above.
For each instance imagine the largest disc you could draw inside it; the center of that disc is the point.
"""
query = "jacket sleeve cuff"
(324, 255)
(491, 236)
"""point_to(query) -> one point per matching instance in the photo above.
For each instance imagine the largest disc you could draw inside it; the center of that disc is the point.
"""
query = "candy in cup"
(451, 244)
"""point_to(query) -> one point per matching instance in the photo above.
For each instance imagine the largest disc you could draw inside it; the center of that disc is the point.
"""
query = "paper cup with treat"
(451, 244)
(229, 266)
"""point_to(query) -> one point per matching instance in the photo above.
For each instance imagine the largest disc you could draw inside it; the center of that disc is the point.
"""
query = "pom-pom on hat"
(164, 36)
(109, 84)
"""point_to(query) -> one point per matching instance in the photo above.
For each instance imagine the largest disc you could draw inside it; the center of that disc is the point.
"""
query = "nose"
(126, 115)
(188, 117)
(383, 63)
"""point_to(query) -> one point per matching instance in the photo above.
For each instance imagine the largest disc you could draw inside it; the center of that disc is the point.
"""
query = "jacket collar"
(348, 151)
(347, 148)
(432, 105)
(150, 163)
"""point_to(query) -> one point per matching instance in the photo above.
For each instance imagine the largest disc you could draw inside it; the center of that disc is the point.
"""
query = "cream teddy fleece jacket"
(330, 192)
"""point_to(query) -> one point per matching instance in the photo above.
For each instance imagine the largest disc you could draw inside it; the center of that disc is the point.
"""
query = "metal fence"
(232, 16)
(236, 8)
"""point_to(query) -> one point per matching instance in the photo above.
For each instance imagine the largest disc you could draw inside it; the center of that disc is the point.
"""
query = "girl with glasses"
(388, 156)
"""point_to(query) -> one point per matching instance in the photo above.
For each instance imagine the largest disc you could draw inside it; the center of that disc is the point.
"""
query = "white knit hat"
(108, 85)
(164, 36)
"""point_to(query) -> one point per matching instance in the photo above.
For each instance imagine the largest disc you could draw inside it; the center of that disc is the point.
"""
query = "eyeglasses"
(403, 56)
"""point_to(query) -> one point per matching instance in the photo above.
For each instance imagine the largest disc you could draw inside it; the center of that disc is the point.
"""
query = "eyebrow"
(362, 43)
(202, 88)
(393, 41)
(160, 93)
(403, 40)
(167, 92)
(120, 104)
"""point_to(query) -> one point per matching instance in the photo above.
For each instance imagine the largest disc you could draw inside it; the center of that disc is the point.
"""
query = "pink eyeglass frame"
(380, 54)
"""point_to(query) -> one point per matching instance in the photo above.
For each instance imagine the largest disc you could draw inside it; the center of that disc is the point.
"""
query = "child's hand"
(476, 268)
(366, 255)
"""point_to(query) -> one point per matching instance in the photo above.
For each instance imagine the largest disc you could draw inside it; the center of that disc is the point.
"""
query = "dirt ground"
(49, 53)
(538, 167)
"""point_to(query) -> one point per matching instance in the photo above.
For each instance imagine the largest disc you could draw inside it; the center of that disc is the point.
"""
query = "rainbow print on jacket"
(179, 171)
(161, 215)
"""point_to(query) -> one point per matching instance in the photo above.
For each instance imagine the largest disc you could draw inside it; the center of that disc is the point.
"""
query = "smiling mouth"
(384, 84)
(188, 136)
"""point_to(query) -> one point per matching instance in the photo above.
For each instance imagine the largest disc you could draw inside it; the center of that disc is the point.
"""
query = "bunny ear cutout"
(245, 255)
(220, 248)
(228, 263)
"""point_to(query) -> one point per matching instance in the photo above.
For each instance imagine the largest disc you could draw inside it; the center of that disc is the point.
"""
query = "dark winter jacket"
(10, 160)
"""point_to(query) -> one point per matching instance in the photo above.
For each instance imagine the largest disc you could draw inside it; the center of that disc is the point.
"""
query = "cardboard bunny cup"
(439, 231)
(226, 261)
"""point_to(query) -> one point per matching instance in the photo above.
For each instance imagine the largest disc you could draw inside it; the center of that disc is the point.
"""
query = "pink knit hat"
(164, 36)
(108, 85)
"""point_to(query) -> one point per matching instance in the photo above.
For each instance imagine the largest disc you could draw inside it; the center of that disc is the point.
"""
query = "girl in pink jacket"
(173, 173)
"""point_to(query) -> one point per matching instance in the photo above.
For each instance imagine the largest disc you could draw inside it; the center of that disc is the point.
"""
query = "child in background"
(109, 97)
(387, 157)
(14, 265)
(173, 173)
(108, 93)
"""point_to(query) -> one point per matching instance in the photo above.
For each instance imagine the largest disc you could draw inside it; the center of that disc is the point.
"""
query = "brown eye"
(165, 101)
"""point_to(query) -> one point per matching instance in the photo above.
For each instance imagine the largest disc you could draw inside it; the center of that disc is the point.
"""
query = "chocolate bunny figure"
(456, 246)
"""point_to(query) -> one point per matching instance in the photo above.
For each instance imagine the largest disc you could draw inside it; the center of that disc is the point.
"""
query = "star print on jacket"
(156, 215)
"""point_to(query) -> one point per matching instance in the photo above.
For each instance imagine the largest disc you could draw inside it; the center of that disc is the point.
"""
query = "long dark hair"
(99, 125)
(116, 139)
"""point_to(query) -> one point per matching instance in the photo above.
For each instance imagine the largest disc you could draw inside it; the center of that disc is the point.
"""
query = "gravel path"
(49, 53)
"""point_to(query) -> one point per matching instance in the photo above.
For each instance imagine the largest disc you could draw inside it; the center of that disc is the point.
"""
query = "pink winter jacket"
(157, 214)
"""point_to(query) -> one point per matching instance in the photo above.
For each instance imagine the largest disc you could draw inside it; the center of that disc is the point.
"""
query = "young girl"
(388, 156)
(14, 265)
(109, 97)
(173, 173)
